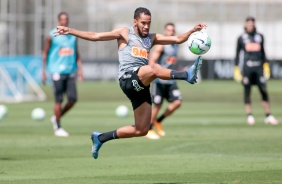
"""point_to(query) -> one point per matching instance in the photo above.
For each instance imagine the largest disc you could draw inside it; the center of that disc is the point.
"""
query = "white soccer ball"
(199, 42)
(38, 114)
(121, 111)
(3, 111)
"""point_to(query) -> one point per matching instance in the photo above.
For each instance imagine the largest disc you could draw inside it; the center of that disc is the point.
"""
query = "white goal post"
(17, 85)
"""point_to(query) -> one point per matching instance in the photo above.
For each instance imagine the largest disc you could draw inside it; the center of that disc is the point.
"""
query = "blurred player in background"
(135, 75)
(164, 55)
(252, 67)
(63, 60)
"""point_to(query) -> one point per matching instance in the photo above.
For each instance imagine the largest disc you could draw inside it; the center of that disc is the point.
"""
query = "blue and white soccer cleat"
(193, 70)
(96, 144)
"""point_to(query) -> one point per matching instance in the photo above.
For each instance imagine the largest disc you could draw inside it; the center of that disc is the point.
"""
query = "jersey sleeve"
(51, 33)
(238, 49)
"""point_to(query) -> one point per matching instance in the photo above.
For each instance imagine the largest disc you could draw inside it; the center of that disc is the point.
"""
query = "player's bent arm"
(237, 72)
(46, 48)
(156, 54)
(79, 65)
(160, 39)
(266, 67)
(238, 49)
(91, 36)
(262, 50)
(164, 40)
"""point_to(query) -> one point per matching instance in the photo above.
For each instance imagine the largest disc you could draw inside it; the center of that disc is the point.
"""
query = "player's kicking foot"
(193, 70)
(96, 144)
(60, 132)
(271, 120)
(250, 120)
(159, 128)
(152, 135)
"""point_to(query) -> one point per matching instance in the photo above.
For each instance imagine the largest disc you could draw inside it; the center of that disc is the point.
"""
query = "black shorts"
(253, 75)
(134, 89)
(160, 91)
(64, 83)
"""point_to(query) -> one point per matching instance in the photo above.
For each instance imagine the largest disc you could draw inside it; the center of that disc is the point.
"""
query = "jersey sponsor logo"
(171, 60)
(245, 80)
(62, 67)
(136, 85)
(139, 52)
(147, 42)
(157, 99)
(66, 51)
(176, 93)
(126, 76)
(258, 38)
(56, 76)
(253, 63)
(252, 47)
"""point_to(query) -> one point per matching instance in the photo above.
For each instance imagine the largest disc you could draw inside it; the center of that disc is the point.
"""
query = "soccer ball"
(121, 111)
(38, 114)
(3, 111)
(199, 42)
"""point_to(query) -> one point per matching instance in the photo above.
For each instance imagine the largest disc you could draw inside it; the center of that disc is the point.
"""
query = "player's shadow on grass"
(6, 158)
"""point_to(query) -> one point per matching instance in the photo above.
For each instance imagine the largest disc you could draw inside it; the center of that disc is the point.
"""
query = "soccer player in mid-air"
(135, 75)
(251, 62)
(165, 55)
(62, 58)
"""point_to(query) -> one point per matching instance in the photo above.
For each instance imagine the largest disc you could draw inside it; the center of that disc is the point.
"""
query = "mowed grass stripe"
(207, 141)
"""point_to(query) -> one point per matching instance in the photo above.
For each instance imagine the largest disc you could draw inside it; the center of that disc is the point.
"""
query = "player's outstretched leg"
(193, 70)
(96, 144)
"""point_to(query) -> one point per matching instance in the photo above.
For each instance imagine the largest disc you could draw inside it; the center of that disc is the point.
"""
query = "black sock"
(58, 124)
(178, 75)
(249, 114)
(160, 119)
(267, 114)
(104, 137)
(151, 126)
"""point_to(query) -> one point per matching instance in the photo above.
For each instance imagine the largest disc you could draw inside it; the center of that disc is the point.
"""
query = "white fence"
(25, 23)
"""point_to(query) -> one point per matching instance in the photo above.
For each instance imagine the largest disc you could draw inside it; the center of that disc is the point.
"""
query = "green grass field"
(207, 140)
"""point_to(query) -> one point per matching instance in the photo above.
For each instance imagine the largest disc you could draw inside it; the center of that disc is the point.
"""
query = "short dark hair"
(250, 18)
(140, 10)
(169, 24)
(62, 13)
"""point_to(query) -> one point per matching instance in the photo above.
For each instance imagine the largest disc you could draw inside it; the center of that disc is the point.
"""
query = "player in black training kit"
(252, 64)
